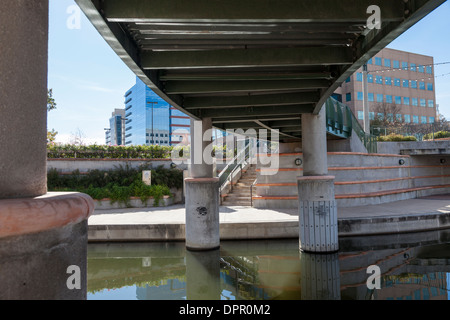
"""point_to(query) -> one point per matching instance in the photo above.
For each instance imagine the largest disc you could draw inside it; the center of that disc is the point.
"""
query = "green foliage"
(68, 151)
(119, 184)
(396, 137)
(437, 135)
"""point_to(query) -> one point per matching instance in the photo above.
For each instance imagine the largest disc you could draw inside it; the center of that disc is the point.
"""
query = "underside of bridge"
(250, 63)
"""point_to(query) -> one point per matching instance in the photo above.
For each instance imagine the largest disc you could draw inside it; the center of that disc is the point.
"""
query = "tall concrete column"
(23, 98)
(202, 191)
(317, 206)
(43, 236)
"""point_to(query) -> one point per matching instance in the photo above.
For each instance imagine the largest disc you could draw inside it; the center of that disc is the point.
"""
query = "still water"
(413, 266)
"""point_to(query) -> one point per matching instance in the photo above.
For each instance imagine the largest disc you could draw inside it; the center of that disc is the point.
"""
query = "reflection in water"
(413, 266)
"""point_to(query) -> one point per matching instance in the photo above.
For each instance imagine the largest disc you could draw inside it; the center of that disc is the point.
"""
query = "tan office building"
(394, 77)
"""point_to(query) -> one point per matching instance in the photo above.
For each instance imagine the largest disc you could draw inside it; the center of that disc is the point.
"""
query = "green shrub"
(68, 151)
(396, 137)
(119, 184)
(437, 135)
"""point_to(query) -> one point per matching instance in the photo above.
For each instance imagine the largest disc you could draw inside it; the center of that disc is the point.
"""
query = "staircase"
(240, 193)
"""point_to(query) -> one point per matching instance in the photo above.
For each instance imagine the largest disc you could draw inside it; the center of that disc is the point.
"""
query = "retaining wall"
(360, 178)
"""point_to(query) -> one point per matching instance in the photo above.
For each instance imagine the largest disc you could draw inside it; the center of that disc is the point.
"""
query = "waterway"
(413, 266)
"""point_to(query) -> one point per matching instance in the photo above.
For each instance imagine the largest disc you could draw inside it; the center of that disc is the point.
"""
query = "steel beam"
(246, 58)
(247, 11)
(253, 112)
(196, 87)
(250, 100)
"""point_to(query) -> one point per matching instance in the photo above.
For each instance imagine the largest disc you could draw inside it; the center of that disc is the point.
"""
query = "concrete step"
(236, 197)
(236, 203)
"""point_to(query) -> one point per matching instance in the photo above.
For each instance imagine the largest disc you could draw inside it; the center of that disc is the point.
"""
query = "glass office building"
(115, 134)
(151, 120)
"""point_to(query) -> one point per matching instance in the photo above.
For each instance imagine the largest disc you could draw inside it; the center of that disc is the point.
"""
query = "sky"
(89, 80)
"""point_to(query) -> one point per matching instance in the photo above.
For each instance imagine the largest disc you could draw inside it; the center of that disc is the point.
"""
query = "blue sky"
(89, 80)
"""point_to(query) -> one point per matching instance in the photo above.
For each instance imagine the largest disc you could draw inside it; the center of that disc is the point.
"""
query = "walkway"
(167, 223)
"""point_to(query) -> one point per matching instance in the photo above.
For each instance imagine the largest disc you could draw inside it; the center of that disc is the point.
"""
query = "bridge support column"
(320, 276)
(317, 205)
(202, 191)
(43, 236)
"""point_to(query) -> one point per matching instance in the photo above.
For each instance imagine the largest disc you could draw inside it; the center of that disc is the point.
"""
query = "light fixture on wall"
(442, 160)
(298, 162)
(401, 162)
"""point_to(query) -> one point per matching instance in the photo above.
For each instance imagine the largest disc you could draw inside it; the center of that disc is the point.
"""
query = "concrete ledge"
(105, 204)
(51, 211)
(393, 224)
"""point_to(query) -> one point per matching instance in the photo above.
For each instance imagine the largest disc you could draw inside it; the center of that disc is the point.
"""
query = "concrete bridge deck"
(242, 223)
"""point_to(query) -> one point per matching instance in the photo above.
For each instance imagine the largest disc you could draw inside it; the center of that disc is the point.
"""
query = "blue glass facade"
(150, 119)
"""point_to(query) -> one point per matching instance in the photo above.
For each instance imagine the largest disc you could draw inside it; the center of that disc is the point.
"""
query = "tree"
(77, 138)
(386, 115)
(51, 105)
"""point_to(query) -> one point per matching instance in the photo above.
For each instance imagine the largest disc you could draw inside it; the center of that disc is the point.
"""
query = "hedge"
(396, 137)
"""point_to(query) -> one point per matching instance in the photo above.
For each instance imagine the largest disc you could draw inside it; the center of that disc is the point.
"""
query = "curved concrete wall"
(360, 178)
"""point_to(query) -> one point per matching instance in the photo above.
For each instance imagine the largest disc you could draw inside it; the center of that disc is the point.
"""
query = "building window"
(415, 102)
(429, 69)
(422, 85)
(387, 63)
(358, 76)
(431, 120)
(414, 84)
(390, 117)
(399, 118)
(407, 118)
(412, 67)
(379, 98)
(347, 80)
(379, 79)
(398, 100)
(405, 83)
(388, 98)
(429, 86)
(388, 81)
(406, 101)
(371, 115)
(396, 82)
(370, 78)
(421, 68)
(423, 119)
(431, 103)
(380, 116)
(396, 64)
(377, 61)
(360, 115)
(369, 61)
(348, 97)
(359, 96)
(404, 65)
(370, 97)
(416, 119)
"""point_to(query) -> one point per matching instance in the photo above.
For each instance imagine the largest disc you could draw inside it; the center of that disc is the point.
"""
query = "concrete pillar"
(203, 275)
(314, 144)
(43, 236)
(23, 98)
(320, 276)
(202, 192)
(317, 206)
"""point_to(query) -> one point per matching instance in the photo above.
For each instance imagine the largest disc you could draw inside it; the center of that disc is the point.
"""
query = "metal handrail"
(251, 192)
(224, 170)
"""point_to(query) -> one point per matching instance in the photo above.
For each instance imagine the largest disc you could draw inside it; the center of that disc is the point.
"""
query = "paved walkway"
(167, 223)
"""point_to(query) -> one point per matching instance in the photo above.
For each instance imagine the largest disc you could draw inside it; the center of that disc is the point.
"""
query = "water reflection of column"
(319, 276)
(203, 275)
